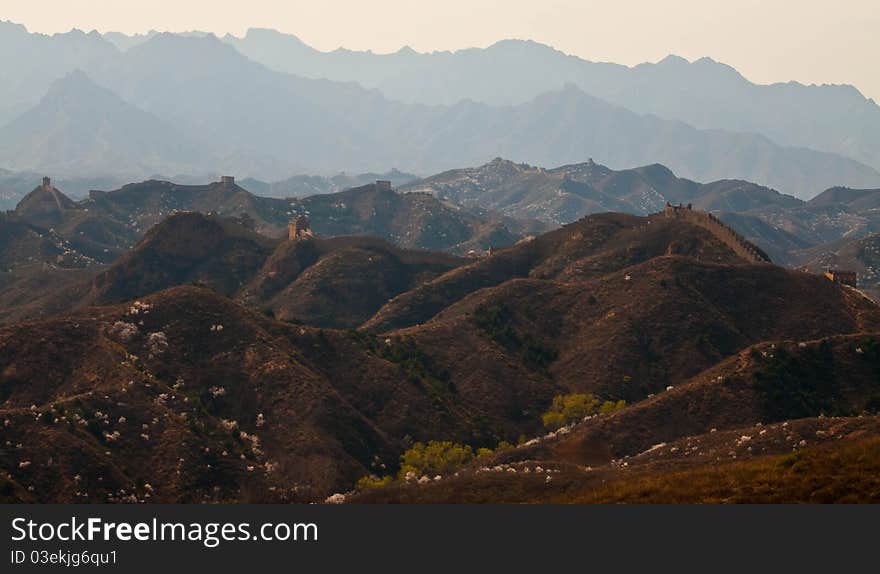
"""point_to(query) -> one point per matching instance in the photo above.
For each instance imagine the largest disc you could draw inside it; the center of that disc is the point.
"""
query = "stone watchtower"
(47, 184)
(383, 185)
(299, 228)
(843, 277)
(227, 180)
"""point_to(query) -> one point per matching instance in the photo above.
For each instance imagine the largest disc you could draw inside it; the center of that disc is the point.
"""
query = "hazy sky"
(811, 41)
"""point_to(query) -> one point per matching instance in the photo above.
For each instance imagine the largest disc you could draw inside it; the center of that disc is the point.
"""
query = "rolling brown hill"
(336, 282)
(185, 396)
(176, 385)
(332, 282)
(590, 248)
(633, 332)
(99, 237)
(220, 253)
(766, 383)
(106, 224)
(411, 220)
(731, 434)
(339, 282)
(408, 220)
(24, 245)
(564, 194)
(41, 290)
(861, 255)
(814, 460)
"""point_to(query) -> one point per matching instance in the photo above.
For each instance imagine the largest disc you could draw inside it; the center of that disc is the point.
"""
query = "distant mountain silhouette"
(703, 93)
(250, 120)
(79, 127)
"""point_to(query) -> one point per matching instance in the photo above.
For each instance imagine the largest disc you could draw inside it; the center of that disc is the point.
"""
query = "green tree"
(567, 409)
(372, 481)
(435, 457)
(611, 406)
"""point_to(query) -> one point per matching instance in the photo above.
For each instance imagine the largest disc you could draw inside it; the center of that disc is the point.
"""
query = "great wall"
(731, 238)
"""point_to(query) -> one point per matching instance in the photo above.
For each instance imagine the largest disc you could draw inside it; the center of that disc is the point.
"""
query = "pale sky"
(810, 41)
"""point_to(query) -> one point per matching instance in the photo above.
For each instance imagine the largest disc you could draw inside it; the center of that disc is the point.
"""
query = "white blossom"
(157, 343)
(122, 331)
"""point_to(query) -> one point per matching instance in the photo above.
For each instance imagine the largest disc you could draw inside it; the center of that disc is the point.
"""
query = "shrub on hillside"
(372, 481)
(435, 457)
(567, 409)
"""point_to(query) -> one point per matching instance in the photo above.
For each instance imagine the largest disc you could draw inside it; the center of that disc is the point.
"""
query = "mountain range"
(462, 210)
(198, 395)
(182, 320)
(705, 94)
(216, 110)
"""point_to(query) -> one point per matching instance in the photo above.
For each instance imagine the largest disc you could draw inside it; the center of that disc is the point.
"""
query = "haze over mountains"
(703, 93)
(466, 209)
(233, 114)
(626, 304)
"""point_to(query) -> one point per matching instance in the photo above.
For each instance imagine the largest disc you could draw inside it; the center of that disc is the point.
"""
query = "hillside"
(338, 282)
(627, 338)
(186, 248)
(22, 244)
(857, 199)
(861, 255)
(618, 306)
(587, 249)
(329, 282)
(106, 224)
(204, 399)
(731, 434)
(567, 193)
(792, 231)
(305, 185)
(197, 399)
(413, 221)
(817, 460)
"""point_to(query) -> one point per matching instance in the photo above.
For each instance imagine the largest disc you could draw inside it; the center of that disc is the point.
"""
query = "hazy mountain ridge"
(48, 233)
(703, 93)
(786, 227)
(294, 124)
(566, 193)
(81, 128)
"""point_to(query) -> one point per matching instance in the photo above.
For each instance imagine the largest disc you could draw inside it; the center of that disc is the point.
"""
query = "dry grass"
(848, 473)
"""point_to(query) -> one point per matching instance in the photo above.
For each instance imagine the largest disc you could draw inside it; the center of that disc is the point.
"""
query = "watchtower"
(299, 228)
(47, 183)
(227, 180)
(842, 277)
(383, 185)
